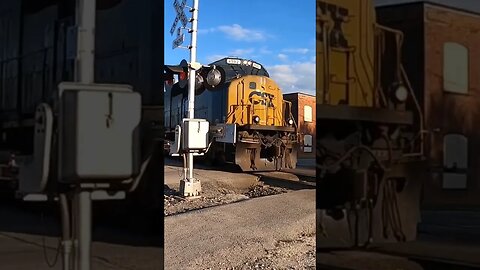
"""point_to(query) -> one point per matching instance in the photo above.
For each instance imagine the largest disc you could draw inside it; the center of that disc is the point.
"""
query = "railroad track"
(226, 185)
(302, 178)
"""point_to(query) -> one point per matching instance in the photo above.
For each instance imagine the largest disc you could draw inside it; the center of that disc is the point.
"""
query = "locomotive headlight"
(290, 122)
(401, 93)
(256, 119)
(214, 77)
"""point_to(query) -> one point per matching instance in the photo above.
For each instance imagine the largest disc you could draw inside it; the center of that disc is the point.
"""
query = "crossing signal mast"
(191, 137)
(86, 145)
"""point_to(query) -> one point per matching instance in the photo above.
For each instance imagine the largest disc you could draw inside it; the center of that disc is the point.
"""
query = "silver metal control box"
(195, 134)
(98, 128)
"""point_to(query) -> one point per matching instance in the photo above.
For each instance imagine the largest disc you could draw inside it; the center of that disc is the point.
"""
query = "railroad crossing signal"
(174, 25)
(179, 7)
(179, 40)
(189, 186)
(180, 14)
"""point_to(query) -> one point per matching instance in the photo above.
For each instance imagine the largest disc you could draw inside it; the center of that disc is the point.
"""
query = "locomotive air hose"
(391, 213)
(398, 218)
(349, 153)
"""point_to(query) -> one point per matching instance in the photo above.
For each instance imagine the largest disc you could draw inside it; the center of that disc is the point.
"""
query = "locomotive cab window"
(455, 161)
(455, 68)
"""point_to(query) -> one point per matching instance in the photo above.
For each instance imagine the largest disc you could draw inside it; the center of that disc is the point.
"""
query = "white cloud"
(296, 50)
(241, 52)
(265, 50)
(282, 57)
(294, 77)
(237, 32)
(205, 31)
(215, 57)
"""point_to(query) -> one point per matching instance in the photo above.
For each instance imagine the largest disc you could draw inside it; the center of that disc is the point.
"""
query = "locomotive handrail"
(326, 64)
(402, 76)
(379, 43)
(399, 41)
(388, 29)
(420, 115)
(290, 114)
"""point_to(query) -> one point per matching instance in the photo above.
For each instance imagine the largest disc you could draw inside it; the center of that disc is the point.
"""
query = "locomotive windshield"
(236, 67)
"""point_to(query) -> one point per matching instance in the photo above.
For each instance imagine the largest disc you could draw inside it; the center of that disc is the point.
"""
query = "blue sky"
(277, 34)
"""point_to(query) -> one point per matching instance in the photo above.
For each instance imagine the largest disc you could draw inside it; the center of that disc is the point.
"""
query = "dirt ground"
(296, 254)
(215, 193)
(225, 187)
(269, 232)
(222, 187)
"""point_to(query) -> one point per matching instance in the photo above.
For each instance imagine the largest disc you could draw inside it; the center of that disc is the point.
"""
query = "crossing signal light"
(180, 70)
(207, 77)
(169, 78)
(183, 74)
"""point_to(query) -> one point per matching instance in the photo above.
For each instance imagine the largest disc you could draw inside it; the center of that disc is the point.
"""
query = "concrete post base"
(190, 189)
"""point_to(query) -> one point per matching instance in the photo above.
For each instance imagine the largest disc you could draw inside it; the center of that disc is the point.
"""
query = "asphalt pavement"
(29, 239)
(237, 233)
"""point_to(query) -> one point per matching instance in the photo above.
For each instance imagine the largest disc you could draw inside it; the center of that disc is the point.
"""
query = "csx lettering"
(264, 99)
(338, 15)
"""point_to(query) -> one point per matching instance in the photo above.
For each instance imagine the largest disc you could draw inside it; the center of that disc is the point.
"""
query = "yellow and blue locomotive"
(251, 124)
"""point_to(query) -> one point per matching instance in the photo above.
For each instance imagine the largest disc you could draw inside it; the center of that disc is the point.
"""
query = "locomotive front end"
(251, 125)
(267, 137)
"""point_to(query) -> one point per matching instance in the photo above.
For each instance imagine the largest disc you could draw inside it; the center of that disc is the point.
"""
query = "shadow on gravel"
(114, 222)
(169, 191)
(305, 183)
(200, 164)
(288, 184)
